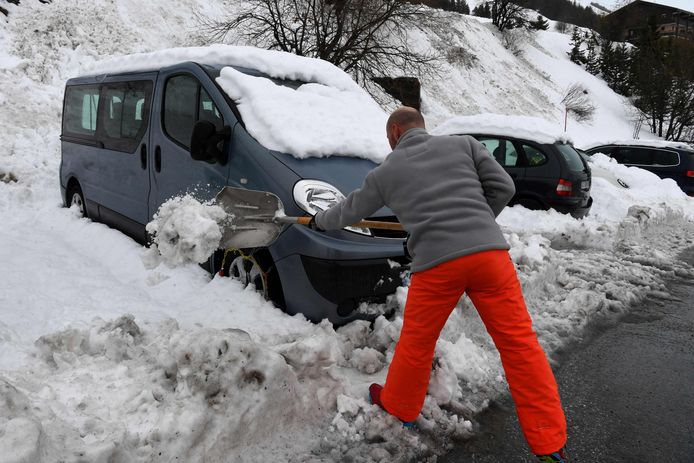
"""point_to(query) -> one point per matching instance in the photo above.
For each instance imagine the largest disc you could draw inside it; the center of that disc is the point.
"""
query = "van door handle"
(143, 156)
(157, 159)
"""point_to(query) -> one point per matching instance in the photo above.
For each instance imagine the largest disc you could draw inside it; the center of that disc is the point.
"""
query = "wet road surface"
(628, 392)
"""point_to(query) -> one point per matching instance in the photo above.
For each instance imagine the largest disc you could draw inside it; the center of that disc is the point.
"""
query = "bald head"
(402, 120)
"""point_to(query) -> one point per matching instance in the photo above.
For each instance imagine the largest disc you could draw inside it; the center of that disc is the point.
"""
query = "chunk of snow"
(186, 230)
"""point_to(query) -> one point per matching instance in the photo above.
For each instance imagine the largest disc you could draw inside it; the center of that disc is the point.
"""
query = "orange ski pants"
(489, 279)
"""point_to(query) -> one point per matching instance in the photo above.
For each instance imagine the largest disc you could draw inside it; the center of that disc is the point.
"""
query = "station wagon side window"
(80, 111)
(504, 151)
(185, 103)
(534, 156)
(666, 158)
(125, 114)
(635, 156)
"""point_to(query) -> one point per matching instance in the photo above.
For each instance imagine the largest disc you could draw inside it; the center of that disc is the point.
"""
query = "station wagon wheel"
(75, 197)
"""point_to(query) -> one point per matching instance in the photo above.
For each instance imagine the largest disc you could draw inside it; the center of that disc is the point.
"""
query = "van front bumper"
(330, 274)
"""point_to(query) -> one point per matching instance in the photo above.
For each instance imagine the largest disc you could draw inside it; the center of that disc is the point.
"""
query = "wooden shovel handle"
(362, 224)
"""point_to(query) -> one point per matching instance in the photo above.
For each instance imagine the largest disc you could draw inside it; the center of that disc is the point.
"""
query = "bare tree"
(366, 38)
(508, 14)
(577, 102)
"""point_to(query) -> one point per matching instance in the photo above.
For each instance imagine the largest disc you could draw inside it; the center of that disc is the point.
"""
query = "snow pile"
(185, 230)
(311, 120)
(276, 64)
(526, 127)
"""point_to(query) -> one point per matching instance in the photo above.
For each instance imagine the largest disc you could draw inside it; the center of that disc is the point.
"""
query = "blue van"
(126, 149)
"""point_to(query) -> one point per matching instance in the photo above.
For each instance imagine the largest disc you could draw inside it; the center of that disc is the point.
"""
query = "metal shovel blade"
(250, 218)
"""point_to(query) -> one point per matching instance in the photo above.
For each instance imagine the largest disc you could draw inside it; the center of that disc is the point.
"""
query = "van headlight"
(314, 196)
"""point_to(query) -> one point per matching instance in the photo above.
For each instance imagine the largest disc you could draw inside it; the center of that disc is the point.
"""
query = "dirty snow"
(102, 359)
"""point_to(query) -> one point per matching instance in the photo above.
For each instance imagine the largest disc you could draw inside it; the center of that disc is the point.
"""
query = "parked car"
(546, 170)
(125, 146)
(666, 160)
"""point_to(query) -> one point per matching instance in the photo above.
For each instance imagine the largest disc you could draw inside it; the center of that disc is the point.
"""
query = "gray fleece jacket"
(445, 190)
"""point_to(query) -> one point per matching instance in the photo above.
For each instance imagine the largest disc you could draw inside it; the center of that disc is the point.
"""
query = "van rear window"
(80, 111)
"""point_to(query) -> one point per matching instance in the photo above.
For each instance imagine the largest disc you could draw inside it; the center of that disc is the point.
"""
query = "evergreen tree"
(540, 24)
(576, 55)
(483, 10)
(592, 61)
(606, 62)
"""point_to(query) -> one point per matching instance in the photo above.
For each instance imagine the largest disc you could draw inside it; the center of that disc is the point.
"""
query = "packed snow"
(184, 230)
(102, 359)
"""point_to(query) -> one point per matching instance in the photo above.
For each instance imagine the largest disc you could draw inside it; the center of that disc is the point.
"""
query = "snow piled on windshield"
(524, 127)
(313, 120)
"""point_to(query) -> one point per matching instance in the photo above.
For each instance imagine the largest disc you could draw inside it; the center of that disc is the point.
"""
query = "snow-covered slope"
(205, 370)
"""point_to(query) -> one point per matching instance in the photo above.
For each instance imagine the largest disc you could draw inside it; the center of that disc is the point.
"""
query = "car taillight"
(690, 173)
(564, 187)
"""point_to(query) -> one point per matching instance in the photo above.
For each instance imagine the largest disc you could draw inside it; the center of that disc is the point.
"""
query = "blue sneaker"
(375, 398)
(557, 457)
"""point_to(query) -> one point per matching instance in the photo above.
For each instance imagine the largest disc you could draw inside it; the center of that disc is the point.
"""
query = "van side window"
(80, 113)
(125, 114)
(185, 103)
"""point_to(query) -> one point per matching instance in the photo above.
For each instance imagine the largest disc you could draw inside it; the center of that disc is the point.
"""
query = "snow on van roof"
(525, 127)
(277, 64)
(649, 143)
(329, 114)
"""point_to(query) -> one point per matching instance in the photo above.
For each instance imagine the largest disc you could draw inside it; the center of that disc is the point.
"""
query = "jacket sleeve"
(496, 182)
(359, 204)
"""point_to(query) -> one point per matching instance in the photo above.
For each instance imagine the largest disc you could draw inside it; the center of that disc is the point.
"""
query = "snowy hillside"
(102, 359)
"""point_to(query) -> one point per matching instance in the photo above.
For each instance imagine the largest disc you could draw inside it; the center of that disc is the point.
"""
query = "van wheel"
(248, 271)
(75, 197)
(250, 266)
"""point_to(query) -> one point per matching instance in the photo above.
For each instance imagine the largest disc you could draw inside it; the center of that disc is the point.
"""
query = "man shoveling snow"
(447, 191)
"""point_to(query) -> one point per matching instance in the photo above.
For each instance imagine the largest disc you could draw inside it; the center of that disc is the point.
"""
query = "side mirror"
(205, 141)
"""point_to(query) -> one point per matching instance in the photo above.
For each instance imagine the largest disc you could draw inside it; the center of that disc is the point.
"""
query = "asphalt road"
(628, 392)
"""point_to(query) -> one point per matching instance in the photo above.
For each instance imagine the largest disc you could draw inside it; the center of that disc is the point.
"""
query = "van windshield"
(572, 158)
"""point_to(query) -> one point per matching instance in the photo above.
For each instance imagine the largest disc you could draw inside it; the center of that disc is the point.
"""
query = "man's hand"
(313, 225)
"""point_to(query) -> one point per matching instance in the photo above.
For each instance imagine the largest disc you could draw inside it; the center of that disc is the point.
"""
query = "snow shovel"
(256, 218)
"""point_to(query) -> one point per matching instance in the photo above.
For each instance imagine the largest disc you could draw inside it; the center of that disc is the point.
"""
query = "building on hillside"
(633, 18)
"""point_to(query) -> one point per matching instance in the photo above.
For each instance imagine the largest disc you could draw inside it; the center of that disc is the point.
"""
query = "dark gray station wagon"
(126, 141)
(668, 161)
